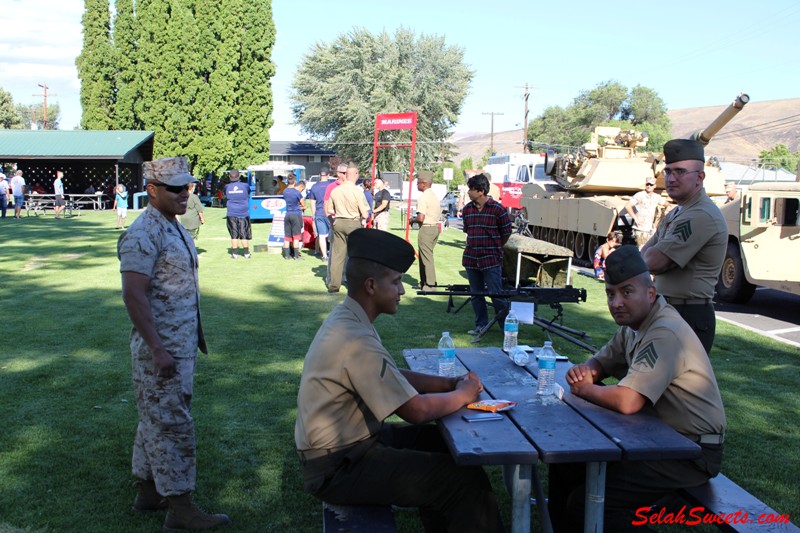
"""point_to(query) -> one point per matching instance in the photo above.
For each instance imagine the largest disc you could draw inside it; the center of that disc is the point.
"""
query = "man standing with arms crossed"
(427, 216)
(488, 228)
(161, 292)
(686, 252)
(349, 207)
(643, 207)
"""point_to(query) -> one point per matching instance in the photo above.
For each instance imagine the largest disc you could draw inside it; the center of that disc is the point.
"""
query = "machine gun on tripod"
(552, 296)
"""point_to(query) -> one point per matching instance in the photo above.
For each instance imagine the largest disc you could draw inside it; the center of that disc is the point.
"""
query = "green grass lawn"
(68, 413)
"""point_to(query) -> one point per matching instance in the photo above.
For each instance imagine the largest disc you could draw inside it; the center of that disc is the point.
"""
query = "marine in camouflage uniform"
(158, 261)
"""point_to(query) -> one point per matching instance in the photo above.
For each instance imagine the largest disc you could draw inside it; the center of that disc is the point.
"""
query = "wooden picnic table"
(568, 431)
(96, 200)
(39, 203)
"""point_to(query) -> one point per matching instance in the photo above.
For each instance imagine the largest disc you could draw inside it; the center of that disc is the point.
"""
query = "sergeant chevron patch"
(683, 230)
(645, 359)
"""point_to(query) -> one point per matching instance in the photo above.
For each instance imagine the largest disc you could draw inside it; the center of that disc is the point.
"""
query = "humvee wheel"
(732, 286)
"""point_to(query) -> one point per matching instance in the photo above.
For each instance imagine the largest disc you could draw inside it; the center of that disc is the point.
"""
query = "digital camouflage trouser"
(164, 446)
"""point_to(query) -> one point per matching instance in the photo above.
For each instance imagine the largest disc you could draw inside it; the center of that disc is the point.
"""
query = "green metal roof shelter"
(99, 158)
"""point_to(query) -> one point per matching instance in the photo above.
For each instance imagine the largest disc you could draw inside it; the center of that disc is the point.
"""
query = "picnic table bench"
(738, 509)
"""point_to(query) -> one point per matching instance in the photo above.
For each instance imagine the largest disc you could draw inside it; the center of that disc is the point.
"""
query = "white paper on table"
(524, 311)
(558, 390)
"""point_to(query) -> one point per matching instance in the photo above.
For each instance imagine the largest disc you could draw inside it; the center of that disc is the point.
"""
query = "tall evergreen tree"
(197, 72)
(254, 103)
(96, 67)
(124, 34)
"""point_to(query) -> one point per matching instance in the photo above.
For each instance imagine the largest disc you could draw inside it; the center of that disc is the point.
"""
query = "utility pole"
(525, 97)
(44, 93)
(491, 145)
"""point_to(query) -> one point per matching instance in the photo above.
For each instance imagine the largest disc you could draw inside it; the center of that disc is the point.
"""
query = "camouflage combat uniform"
(164, 446)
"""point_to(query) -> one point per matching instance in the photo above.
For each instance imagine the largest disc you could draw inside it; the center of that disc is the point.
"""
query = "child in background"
(121, 205)
(613, 240)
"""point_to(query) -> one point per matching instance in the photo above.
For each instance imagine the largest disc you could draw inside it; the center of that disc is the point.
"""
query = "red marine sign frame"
(396, 121)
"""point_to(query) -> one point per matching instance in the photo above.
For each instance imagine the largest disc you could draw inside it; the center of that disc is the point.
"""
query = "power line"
(775, 124)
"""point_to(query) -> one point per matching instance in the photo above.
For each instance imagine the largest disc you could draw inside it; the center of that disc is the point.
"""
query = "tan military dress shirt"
(695, 238)
(665, 362)
(350, 383)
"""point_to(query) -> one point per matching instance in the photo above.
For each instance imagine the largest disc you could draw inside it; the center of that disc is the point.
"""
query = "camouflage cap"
(381, 247)
(683, 150)
(623, 264)
(169, 171)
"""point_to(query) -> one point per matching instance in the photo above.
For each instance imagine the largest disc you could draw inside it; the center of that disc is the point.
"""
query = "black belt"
(708, 438)
(332, 453)
(687, 301)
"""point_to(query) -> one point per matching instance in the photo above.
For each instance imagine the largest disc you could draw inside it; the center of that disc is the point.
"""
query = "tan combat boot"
(184, 514)
(148, 499)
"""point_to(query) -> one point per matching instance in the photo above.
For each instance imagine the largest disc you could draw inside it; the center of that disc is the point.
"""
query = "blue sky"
(693, 53)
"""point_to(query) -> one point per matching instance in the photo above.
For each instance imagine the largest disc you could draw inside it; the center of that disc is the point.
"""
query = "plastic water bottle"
(547, 369)
(510, 332)
(520, 356)
(447, 356)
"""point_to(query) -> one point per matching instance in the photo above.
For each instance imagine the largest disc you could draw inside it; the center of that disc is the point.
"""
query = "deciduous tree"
(781, 155)
(608, 104)
(9, 118)
(341, 86)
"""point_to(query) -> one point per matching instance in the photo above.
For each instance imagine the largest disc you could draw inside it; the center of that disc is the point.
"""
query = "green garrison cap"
(623, 264)
(382, 247)
(683, 150)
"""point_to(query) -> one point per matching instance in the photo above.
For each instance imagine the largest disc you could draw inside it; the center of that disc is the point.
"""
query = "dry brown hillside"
(759, 126)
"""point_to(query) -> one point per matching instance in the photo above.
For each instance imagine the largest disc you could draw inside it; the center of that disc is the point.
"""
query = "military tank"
(584, 201)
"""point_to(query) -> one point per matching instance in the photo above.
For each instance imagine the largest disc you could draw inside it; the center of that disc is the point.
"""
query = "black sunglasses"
(174, 189)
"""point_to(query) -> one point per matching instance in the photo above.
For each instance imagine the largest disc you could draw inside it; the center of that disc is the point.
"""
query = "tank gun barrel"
(704, 136)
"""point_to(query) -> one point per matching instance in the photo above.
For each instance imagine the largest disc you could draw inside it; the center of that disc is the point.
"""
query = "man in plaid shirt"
(488, 227)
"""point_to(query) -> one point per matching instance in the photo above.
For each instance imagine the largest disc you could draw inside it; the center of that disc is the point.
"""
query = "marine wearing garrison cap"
(686, 252)
(381, 247)
(625, 263)
(683, 150)
(662, 369)
(350, 384)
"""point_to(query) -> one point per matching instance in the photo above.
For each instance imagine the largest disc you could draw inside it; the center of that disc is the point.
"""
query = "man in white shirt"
(643, 207)
(18, 190)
